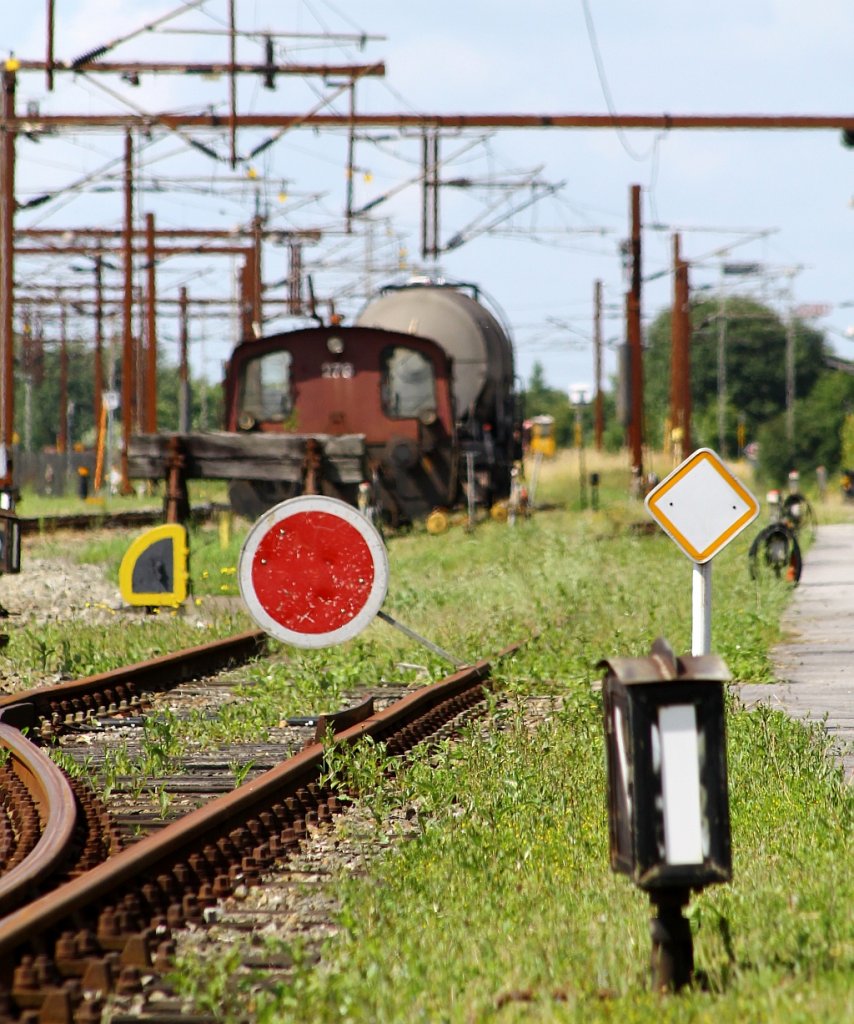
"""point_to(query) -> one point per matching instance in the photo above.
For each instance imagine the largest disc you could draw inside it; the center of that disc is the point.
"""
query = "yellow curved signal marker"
(174, 564)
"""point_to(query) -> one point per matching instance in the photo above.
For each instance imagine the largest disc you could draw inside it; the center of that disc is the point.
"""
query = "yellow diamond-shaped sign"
(701, 505)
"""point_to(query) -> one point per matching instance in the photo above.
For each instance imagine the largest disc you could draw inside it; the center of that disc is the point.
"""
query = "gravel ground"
(56, 589)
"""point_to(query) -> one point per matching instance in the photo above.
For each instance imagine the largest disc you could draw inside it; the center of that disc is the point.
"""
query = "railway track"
(112, 520)
(109, 927)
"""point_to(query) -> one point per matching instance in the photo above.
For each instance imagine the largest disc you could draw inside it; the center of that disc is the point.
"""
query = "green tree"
(754, 345)
(42, 406)
(42, 378)
(541, 400)
(819, 426)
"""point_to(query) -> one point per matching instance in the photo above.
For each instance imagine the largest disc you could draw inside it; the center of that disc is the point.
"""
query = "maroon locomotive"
(410, 409)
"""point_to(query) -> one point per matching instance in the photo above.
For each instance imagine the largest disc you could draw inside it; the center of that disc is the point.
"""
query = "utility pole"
(790, 369)
(633, 330)
(351, 153)
(150, 391)
(127, 318)
(722, 381)
(295, 301)
(62, 439)
(184, 367)
(257, 278)
(680, 365)
(598, 418)
(7, 273)
(98, 397)
(430, 196)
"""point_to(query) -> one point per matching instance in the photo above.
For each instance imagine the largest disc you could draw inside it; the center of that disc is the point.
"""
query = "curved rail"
(54, 798)
(223, 818)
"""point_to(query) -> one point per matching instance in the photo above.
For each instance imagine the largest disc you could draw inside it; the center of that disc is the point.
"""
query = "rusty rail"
(54, 798)
(49, 707)
(150, 886)
(121, 520)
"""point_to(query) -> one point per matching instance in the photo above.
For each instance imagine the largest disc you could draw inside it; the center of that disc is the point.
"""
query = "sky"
(779, 200)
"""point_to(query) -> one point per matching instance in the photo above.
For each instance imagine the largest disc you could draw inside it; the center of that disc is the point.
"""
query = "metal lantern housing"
(667, 779)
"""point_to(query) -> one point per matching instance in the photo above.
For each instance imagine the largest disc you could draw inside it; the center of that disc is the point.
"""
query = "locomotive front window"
(265, 387)
(408, 383)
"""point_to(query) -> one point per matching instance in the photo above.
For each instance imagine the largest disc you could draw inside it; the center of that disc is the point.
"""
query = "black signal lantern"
(10, 542)
(668, 804)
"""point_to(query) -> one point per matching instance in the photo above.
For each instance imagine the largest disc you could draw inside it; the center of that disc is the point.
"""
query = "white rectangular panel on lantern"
(666, 757)
(680, 784)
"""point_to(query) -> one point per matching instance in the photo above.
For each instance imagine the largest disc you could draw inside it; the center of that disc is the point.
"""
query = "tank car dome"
(481, 351)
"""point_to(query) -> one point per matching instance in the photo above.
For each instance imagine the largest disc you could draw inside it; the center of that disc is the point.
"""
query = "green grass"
(36, 654)
(503, 907)
(507, 891)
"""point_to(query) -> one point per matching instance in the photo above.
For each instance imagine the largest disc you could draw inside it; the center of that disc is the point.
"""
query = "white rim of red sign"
(301, 506)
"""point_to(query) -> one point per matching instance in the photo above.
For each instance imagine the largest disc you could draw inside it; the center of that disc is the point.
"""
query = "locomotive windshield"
(265, 386)
(408, 383)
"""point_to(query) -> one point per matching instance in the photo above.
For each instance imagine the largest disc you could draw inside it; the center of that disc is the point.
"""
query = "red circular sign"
(313, 571)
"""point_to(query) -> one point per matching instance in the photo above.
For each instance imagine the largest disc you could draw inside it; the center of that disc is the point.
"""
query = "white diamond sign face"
(701, 505)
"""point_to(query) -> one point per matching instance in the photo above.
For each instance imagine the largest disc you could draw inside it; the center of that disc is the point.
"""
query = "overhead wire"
(605, 87)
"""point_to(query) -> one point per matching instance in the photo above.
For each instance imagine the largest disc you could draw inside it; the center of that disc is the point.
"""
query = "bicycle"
(775, 548)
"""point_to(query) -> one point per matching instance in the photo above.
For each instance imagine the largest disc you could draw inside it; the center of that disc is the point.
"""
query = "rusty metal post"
(257, 279)
(49, 53)
(127, 318)
(635, 341)
(244, 302)
(598, 416)
(232, 84)
(312, 467)
(295, 300)
(177, 508)
(150, 389)
(675, 440)
(351, 149)
(680, 370)
(672, 957)
(184, 366)
(7, 270)
(98, 399)
(62, 438)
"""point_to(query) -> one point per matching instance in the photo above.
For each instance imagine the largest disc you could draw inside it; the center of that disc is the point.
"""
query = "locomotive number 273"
(337, 371)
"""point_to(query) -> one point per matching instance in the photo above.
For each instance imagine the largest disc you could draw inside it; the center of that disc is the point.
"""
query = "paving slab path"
(814, 665)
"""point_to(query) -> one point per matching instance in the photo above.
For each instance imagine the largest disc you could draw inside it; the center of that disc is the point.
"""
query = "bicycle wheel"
(775, 551)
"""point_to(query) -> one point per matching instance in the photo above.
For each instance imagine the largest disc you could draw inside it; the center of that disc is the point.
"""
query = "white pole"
(701, 632)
